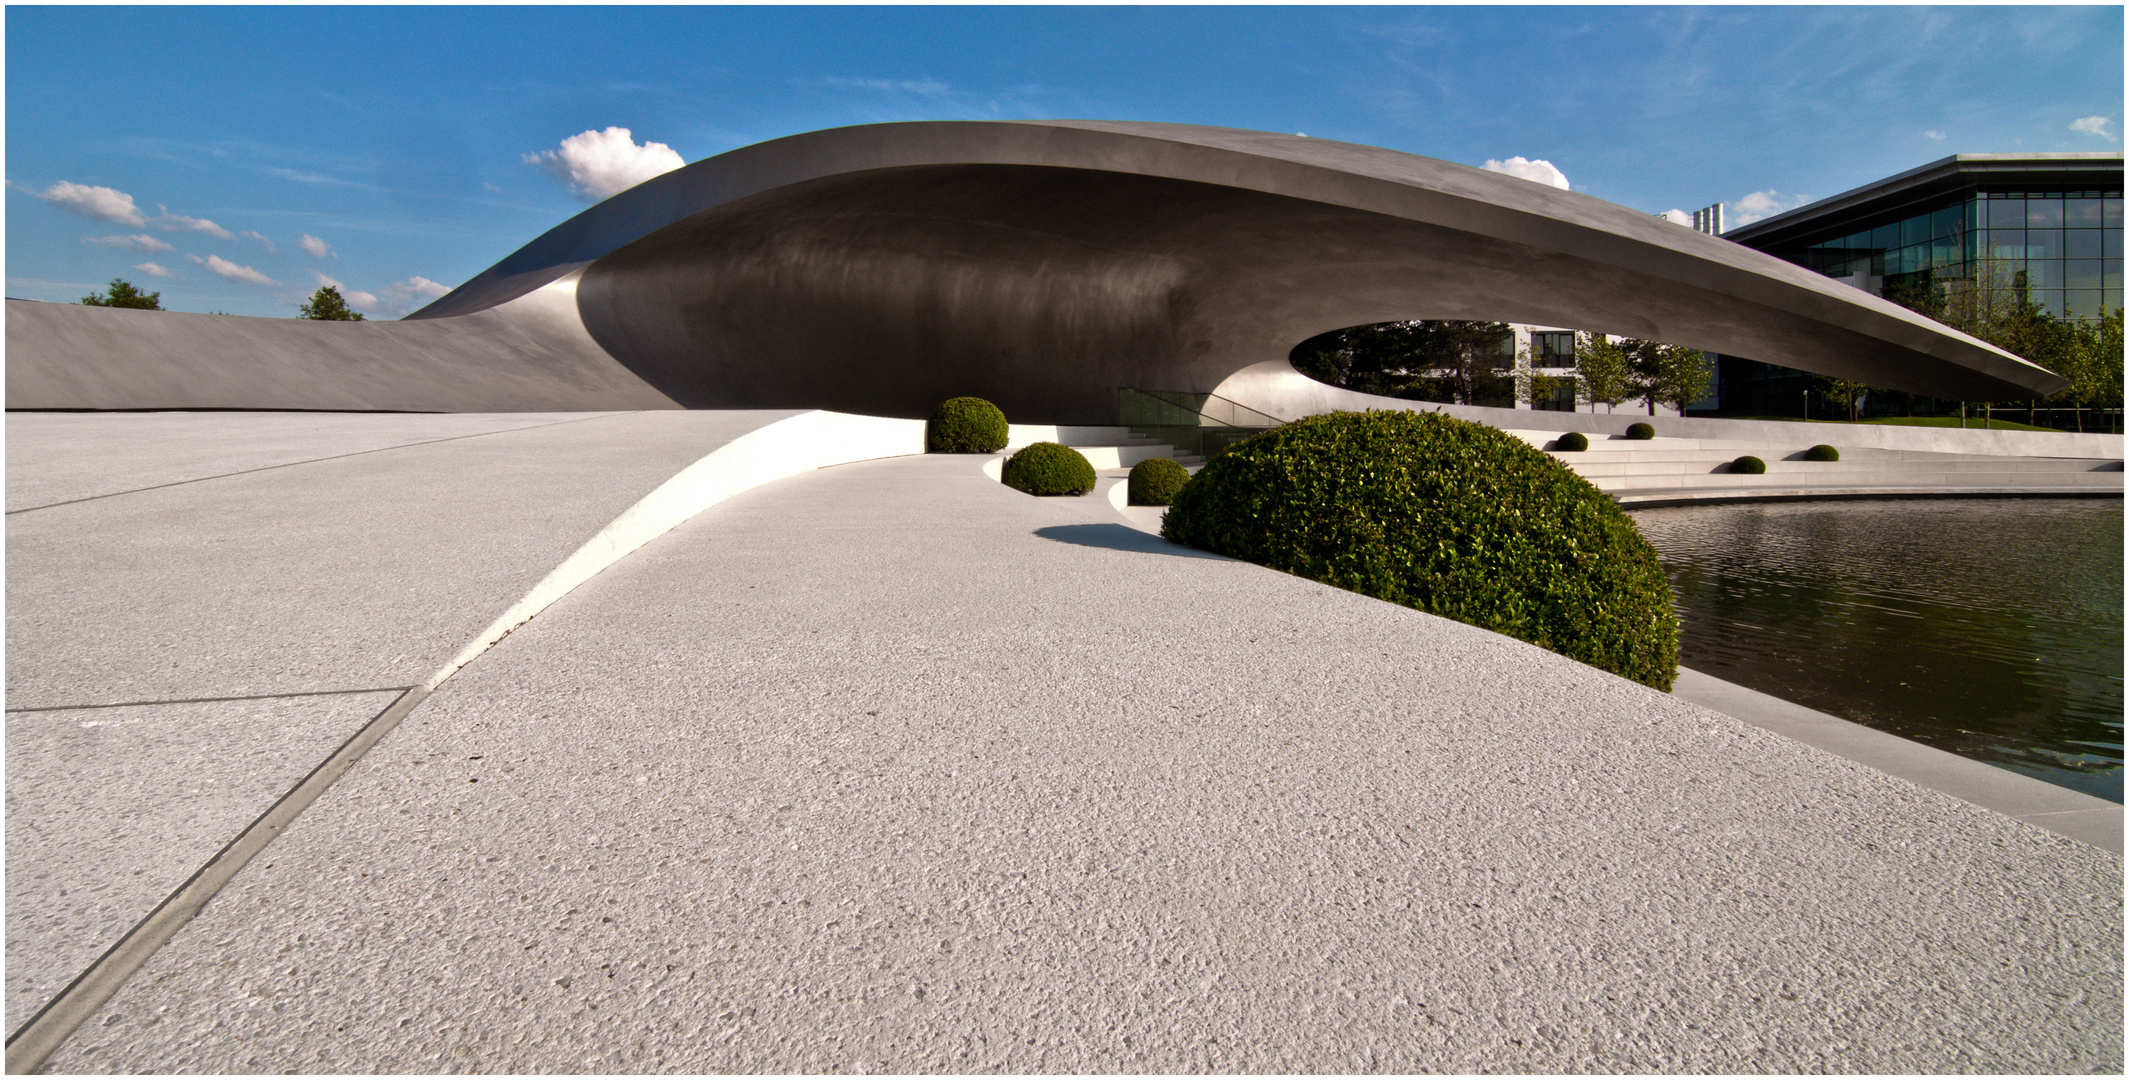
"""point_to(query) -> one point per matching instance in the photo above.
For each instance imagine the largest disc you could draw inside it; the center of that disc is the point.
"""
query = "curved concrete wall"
(1044, 264)
(530, 355)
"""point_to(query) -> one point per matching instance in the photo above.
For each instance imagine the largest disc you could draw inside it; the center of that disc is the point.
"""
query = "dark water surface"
(1991, 628)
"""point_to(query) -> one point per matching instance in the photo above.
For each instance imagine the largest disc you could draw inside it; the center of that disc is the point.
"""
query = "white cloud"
(107, 204)
(1934, 134)
(232, 271)
(174, 222)
(153, 270)
(491, 187)
(404, 291)
(141, 242)
(1761, 204)
(1677, 217)
(598, 164)
(270, 248)
(317, 248)
(920, 87)
(2093, 125)
(1541, 171)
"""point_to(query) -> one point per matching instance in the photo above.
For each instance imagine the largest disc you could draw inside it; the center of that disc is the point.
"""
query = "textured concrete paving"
(889, 768)
(165, 559)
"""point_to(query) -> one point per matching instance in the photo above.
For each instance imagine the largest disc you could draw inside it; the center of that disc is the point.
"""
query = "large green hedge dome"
(1447, 516)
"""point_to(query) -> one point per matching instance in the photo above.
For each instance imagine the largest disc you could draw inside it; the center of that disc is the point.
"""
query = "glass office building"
(1970, 222)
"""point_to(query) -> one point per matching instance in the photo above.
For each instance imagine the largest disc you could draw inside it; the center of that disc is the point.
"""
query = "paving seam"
(309, 461)
(41, 1034)
(798, 444)
(206, 700)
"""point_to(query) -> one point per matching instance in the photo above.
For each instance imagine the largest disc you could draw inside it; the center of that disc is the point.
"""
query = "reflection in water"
(1991, 628)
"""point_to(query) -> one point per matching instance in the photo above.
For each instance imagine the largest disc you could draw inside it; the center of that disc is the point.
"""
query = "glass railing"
(1193, 423)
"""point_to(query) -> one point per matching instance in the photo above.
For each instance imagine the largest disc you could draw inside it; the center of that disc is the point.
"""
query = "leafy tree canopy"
(124, 295)
(1459, 360)
(327, 303)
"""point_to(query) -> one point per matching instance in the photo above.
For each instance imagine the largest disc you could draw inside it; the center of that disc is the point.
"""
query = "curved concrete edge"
(802, 443)
(794, 445)
(1276, 388)
(2087, 819)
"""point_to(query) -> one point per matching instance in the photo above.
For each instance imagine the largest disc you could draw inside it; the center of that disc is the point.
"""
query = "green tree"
(1604, 369)
(124, 295)
(327, 303)
(1843, 393)
(1681, 376)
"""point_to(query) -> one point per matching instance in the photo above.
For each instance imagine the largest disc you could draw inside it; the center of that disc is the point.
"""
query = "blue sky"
(249, 153)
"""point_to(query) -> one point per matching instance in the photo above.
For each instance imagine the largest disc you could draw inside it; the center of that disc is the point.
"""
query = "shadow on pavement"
(1122, 538)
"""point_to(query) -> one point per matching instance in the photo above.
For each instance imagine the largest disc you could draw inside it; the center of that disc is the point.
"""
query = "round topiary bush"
(966, 425)
(1822, 452)
(1642, 430)
(1573, 440)
(1748, 464)
(1155, 481)
(1447, 516)
(1048, 468)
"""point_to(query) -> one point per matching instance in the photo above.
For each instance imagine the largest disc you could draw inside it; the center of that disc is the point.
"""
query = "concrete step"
(2097, 481)
(1855, 470)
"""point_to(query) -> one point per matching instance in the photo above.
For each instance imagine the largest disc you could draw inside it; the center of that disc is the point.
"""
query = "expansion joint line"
(785, 448)
(305, 461)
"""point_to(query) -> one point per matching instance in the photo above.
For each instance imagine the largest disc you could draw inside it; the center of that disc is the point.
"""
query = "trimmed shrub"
(966, 425)
(1573, 441)
(1048, 468)
(1748, 464)
(1155, 481)
(1447, 516)
(1822, 452)
(1642, 430)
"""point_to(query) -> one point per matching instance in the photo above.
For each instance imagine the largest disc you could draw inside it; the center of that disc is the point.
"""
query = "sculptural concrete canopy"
(1044, 264)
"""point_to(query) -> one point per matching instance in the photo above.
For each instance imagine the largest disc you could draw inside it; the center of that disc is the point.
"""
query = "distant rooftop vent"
(1708, 220)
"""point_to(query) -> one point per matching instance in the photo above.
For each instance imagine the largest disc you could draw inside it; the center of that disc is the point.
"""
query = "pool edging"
(2085, 818)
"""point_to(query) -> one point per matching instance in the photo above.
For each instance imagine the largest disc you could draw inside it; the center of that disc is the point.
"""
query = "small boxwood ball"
(1454, 518)
(966, 425)
(1048, 468)
(1822, 452)
(1573, 440)
(1155, 481)
(1748, 464)
(1641, 431)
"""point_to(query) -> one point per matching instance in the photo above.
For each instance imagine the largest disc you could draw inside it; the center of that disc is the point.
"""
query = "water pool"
(1991, 628)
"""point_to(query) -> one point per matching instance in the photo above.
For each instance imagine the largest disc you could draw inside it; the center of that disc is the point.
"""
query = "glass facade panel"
(2044, 273)
(1914, 230)
(2044, 243)
(2043, 211)
(2007, 244)
(2083, 274)
(2110, 244)
(2110, 214)
(2110, 275)
(1946, 222)
(2080, 212)
(2084, 303)
(2081, 244)
(2050, 301)
(2006, 213)
(1885, 236)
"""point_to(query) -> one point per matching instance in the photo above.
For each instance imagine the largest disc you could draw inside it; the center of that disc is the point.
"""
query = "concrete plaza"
(886, 767)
